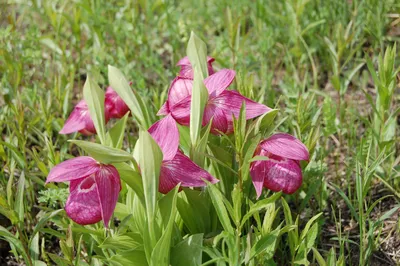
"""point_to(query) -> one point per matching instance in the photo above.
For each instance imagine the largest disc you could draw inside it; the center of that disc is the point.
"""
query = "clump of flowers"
(95, 185)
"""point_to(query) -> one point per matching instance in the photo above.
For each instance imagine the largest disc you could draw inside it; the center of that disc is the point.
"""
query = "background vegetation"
(322, 61)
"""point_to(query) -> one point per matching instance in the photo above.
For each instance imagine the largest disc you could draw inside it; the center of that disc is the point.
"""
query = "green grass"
(326, 64)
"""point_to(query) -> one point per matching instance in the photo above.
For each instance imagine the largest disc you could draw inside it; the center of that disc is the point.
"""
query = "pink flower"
(94, 189)
(114, 104)
(80, 120)
(187, 70)
(282, 171)
(176, 167)
(221, 104)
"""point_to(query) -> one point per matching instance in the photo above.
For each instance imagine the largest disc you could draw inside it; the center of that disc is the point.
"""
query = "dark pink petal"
(108, 188)
(181, 111)
(219, 81)
(79, 120)
(182, 170)
(180, 88)
(284, 175)
(73, 169)
(83, 205)
(257, 173)
(186, 70)
(164, 110)
(165, 132)
(231, 102)
(286, 146)
(219, 121)
(115, 107)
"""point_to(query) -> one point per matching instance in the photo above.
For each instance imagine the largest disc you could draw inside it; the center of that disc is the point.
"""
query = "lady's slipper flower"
(80, 120)
(114, 104)
(221, 104)
(176, 167)
(281, 172)
(94, 189)
(187, 70)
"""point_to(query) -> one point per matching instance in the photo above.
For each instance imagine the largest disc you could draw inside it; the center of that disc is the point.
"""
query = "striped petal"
(219, 81)
(181, 111)
(180, 88)
(284, 175)
(108, 187)
(73, 169)
(79, 120)
(166, 134)
(286, 146)
(219, 119)
(115, 107)
(182, 170)
(164, 110)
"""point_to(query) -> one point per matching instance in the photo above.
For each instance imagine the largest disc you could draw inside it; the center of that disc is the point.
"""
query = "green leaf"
(265, 121)
(7, 211)
(131, 258)
(194, 210)
(311, 236)
(293, 235)
(218, 201)
(115, 136)
(34, 247)
(127, 241)
(197, 53)
(161, 253)
(44, 220)
(308, 225)
(132, 179)
(318, 257)
(94, 98)
(19, 202)
(102, 153)
(266, 245)
(12, 240)
(135, 103)
(237, 196)
(188, 251)
(150, 158)
(60, 261)
(261, 204)
(239, 126)
(199, 152)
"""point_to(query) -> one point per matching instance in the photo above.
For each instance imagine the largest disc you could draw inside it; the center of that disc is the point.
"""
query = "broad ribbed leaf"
(188, 251)
(218, 201)
(115, 136)
(19, 202)
(94, 98)
(150, 158)
(102, 153)
(130, 257)
(119, 83)
(132, 179)
(197, 53)
(161, 253)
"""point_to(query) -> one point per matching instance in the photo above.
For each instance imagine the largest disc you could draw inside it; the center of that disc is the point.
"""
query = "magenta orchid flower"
(94, 189)
(80, 121)
(221, 104)
(176, 167)
(281, 172)
(114, 104)
(186, 70)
